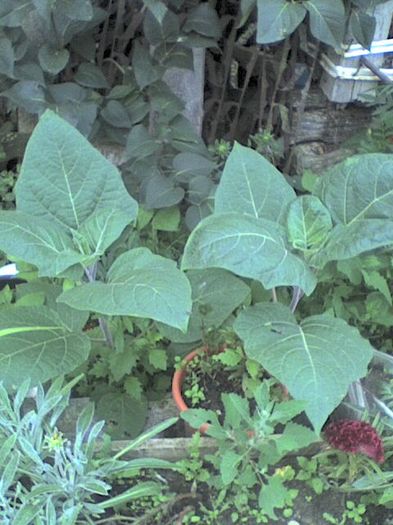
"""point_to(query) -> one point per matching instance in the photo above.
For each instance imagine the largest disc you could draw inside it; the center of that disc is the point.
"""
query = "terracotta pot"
(177, 384)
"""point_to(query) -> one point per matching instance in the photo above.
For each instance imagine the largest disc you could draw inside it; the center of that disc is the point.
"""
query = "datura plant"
(71, 205)
(262, 230)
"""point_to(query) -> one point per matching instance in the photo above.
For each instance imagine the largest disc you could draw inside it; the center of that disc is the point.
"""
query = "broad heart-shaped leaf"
(277, 19)
(249, 247)
(215, 295)
(347, 241)
(65, 180)
(359, 188)
(327, 20)
(35, 343)
(250, 184)
(139, 284)
(316, 360)
(308, 223)
(37, 241)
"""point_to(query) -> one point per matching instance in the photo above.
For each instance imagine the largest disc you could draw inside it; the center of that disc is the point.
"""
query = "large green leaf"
(347, 241)
(327, 20)
(251, 185)
(40, 242)
(361, 187)
(316, 360)
(65, 180)
(139, 284)
(102, 228)
(308, 223)
(215, 295)
(277, 19)
(359, 195)
(248, 247)
(35, 343)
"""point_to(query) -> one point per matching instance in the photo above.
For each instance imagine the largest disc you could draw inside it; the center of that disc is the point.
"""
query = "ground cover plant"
(48, 478)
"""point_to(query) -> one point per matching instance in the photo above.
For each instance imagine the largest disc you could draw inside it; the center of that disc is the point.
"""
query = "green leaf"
(65, 180)
(122, 363)
(215, 295)
(165, 31)
(161, 192)
(203, 19)
(124, 416)
(90, 75)
(157, 8)
(140, 144)
(133, 387)
(375, 280)
(27, 94)
(102, 228)
(316, 360)
(251, 185)
(295, 437)
(141, 490)
(7, 57)
(327, 20)
(229, 464)
(167, 219)
(77, 9)
(249, 247)
(158, 358)
(278, 19)
(347, 241)
(361, 187)
(140, 284)
(246, 7)
(362, 27)
(308, 223)
(200, 189)
(40, 242)
(144, 71)
(190, 165)
(237, 411)
(273, 494)
(116, 115)
(35, 343)
(53, 60)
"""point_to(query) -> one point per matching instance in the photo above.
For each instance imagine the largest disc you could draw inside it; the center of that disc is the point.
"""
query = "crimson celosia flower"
(355, 437)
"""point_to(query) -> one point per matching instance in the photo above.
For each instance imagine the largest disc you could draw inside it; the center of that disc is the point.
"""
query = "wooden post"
(344, 90)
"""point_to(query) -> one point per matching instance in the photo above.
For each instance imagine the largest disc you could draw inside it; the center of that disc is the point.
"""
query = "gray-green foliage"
(278, 19)
(290, 245)
(249, 444)
(48, 479)
(74, 57)
(71, 206)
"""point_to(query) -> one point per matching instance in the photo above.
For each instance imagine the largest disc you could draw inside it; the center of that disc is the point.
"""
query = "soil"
(308, 508)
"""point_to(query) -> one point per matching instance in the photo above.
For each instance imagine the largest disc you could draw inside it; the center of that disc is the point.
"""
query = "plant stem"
(91, 276)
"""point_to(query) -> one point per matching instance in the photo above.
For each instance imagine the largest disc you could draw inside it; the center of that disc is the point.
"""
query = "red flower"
(355, 437)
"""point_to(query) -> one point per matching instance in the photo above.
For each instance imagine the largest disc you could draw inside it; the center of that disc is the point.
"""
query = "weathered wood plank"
(317, 156)
(331, 126)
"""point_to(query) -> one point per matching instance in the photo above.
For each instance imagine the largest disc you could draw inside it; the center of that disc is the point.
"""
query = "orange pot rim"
(178, 380)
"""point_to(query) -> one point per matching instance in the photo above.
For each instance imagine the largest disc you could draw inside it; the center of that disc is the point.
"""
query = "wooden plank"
(331, 126)
(344, 91)
(317, 157)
